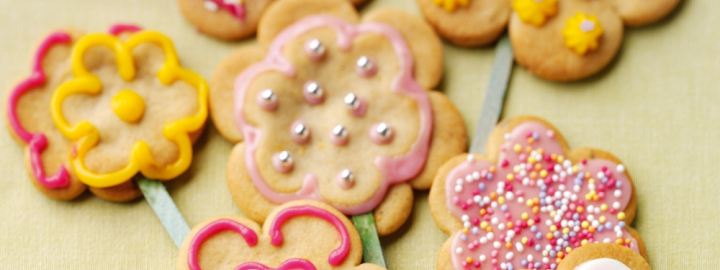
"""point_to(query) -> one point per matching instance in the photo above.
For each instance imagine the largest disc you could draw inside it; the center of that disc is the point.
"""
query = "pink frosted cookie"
(228, 19)
(530, 201)
(29, 119)
(302, 235)
(336, 110)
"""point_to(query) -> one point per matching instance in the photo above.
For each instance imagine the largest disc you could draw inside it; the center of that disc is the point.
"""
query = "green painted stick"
(162, 204)
(372, 250)
(495, 94)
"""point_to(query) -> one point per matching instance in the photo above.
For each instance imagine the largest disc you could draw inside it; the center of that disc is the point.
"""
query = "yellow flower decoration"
(451, 5)
(582, 33)
(535, 12)
(128, 106)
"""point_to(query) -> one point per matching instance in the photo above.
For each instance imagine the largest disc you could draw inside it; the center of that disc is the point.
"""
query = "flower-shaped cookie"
(303, 235)
(336, 112)
(531, 201)
(600, 256)
(227, 19)
(31, 122)
(129, 107)
(561, 40)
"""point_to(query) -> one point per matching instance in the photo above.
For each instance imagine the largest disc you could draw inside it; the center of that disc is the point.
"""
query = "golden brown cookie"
(229, 19)
(568, 40)
(530, 200)
(479, 22)
(296, 235)
(129, 107)
(603, 257)
(31, 122)
(336, 111)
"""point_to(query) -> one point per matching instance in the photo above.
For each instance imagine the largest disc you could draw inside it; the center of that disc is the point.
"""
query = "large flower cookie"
(129, 107)
(530, 202)
(31, 122)
(336, 111)
(303, 235)
(228, 19)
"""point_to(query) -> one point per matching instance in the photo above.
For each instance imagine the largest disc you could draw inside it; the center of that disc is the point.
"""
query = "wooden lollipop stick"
(162, 204)
(372, 250)
(495, 94)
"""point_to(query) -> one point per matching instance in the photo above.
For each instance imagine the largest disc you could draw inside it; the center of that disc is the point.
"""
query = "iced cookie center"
(128, 106)
(602, 264)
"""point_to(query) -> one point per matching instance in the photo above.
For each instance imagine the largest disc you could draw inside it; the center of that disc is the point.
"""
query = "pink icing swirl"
(394, 169)
(527, 210)
(37, 142)
(336, 257)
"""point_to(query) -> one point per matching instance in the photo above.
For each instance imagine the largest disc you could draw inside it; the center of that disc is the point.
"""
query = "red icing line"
(121, 28)
(336, 257)
(291, 264)
(37, 142)
(237, 10)
(214, 228)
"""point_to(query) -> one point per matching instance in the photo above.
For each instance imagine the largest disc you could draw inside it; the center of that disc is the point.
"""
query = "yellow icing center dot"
(582, 33)
(451, 5)
(128, 106)
(535, 12)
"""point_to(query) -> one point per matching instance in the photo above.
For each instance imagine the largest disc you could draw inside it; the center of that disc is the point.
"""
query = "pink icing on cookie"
(533, 206)
(235, 8)
(37, 142)
(336, 257)
(292, 264)
(395, 169)
(214, 228)
(122, 28)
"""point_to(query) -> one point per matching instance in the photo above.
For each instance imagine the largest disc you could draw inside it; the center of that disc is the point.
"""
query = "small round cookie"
(467, 22)
(128, 106)
(579, 41)
(298, 235)
(603, 257)
(229, 19)
(30, 121)
(224, 19)
(336, 111)
(530, 201)
(644, 12)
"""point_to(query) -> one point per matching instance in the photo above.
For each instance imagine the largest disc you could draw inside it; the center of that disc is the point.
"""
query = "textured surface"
(655, 108)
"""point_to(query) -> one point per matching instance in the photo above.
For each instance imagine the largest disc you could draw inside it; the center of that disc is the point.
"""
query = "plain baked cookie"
(568, 40)
(336, 109)
(30, 121)
(296, 235)
(129, 107)
(228, 19)
(530, 201)
(478, 22)
(603, 257)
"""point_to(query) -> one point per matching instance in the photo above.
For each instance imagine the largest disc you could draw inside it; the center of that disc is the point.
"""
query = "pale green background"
(655, 108)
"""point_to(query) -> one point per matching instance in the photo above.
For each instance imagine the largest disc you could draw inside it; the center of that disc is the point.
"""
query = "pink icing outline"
(550, 145)
(37, 142)
(395, 170)
(238, 11)
(336, 257)
(291, 264)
